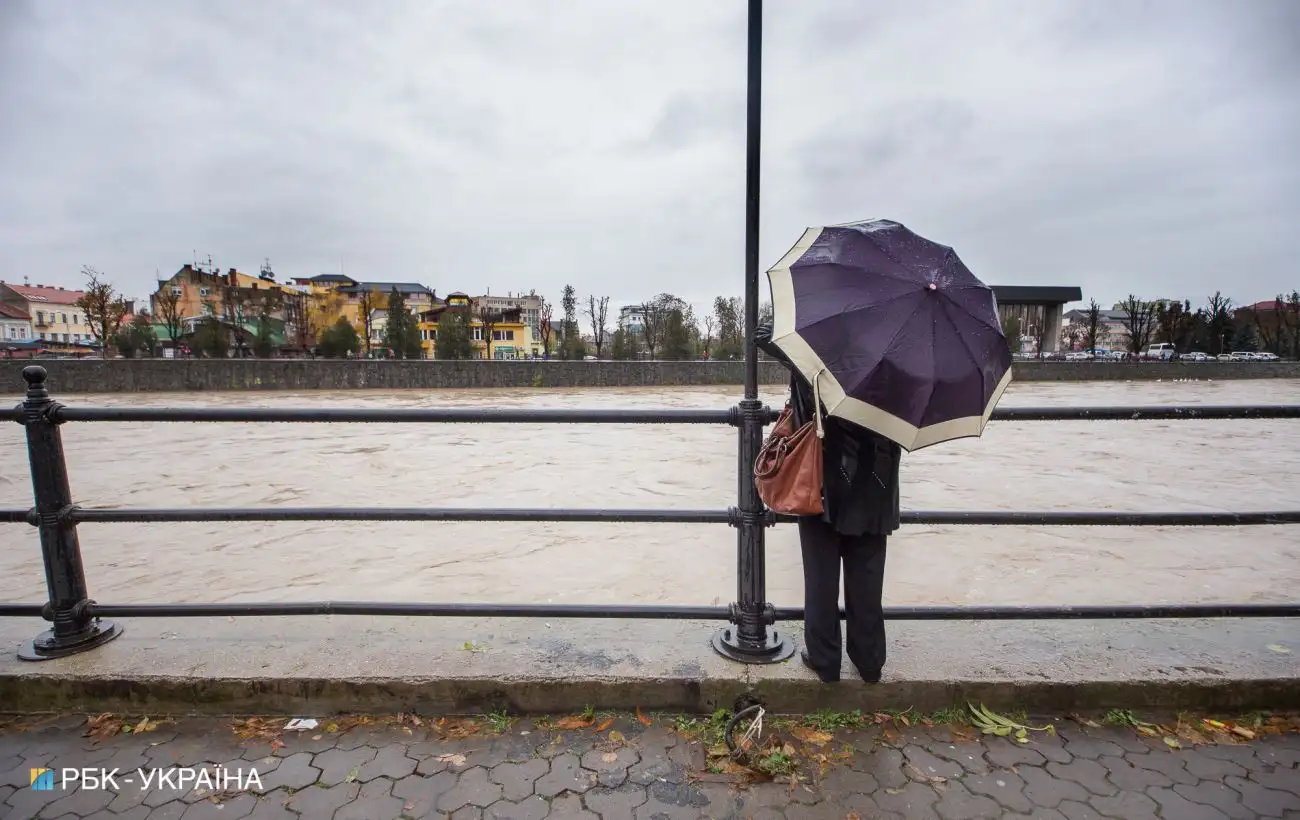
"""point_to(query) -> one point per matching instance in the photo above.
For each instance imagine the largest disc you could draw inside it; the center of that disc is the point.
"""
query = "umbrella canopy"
(899, 336)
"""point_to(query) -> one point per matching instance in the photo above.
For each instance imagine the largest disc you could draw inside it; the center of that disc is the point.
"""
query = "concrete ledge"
(326, 665)
(162, 375)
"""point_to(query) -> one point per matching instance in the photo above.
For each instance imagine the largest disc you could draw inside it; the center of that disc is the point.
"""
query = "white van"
(1163, 350)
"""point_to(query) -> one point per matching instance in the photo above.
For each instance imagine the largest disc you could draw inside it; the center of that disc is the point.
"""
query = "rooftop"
(43, 293)
(11, 312)
(1036, 294)
(401, 287)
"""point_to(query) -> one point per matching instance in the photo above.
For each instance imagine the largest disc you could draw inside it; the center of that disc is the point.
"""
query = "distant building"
(15, 324)
(1038, 309)
(1112, 327)
(529, 306)
(632, 318)
(54, 315)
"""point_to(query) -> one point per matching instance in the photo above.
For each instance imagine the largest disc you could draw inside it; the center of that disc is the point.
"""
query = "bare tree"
(1139, 323)
(368, 303)
(488, 319)
(706, 338)
(544, 325)
(1072, 335)
(598, 312)
(103, 306)
(1094, 330)
(167, 304)
(1218, 320)
(653, 320)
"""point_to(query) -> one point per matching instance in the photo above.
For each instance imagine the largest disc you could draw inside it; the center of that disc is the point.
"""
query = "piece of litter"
(300, 724)
(1279, 648)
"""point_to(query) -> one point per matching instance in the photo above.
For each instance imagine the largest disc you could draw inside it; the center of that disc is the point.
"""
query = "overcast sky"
(1119, 145)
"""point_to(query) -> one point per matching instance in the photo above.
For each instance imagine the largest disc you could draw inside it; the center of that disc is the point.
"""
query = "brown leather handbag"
(788, 471)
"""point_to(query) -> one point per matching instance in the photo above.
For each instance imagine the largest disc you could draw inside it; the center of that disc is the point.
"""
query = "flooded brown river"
(1141, 466)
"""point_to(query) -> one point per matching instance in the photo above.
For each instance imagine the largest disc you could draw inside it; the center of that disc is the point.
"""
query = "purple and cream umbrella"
(896, 334)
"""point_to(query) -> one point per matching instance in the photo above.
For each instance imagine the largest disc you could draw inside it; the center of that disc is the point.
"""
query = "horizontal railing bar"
(1108, 518)
(15, 516)
(1153, 413)
(447, 415)
(472, 415)
(663, 612)
(162, 514)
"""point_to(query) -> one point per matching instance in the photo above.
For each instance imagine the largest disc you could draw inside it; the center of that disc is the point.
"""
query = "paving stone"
(473, 788)
(1241, 754)
(530, 808)
(138, 813)
(1038, 814)
(915, 801)
(236, 808)
(293, 772)
(1078, 811)
(1270, 802)
(172, 810)
(1169, 764)
(420, 795)
(1174, 805)
(610, 773)
(1211, 768)
(82, 802)
(321, 801)
(1050, 746)
(1128, 777)
(467, 813)
(1087, 773)
(615, 804)
(390, 761)
(566, 774)
(271, 806)
(1287, 780)
(1090, 747)
(1005, 788)
(374, 802)
(1218, 795)
(1272, 752)
(929, 765)
(885, 764)
(1047, 792)
(843, 780)
(671, 801)
(569, 807)
(957, 803)
(970, 756)
(337, 765)
(517, 779)
(1005, 753)
(1126, 806)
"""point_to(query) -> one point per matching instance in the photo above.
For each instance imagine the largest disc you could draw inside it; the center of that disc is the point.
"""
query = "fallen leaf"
(332, 728)
(605, 724)
(719, 750)
(1173, 744)
(408, 806)
(1241, 731)
(645, 721)
(616, 737)
(893, 791)
(852, 816)
(812, 736)
(574, 722)
(317, 737)
(453, 759)
(457, 729)
(276, 745)
(352, 775)
(1279, 648)
(145, 725)
(102, 726)
(609, 757)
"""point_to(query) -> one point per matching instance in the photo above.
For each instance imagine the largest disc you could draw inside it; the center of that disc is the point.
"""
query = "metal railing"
(78, 623)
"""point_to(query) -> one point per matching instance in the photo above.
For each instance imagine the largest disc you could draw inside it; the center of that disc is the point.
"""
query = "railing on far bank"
(79, 623)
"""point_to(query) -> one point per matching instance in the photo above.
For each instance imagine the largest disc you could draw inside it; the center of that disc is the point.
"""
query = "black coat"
(860, 483)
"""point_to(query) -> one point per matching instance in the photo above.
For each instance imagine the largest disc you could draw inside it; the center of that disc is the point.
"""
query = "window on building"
(202, 291)
(177, 291)
(42, 336)
(40, 318)
(478, 334)
(63, 317)
(76, 319)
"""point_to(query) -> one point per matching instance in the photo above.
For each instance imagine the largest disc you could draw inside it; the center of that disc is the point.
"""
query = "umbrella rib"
(890, 346)
(888, 301)
(969, 353)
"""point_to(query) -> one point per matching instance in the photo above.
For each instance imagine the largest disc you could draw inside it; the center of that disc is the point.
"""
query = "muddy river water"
(1141, 466)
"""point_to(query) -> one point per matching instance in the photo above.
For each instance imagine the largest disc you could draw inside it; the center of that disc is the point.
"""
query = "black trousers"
(863, 557)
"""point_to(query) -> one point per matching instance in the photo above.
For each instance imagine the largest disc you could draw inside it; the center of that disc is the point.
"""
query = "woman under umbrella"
(907, 351)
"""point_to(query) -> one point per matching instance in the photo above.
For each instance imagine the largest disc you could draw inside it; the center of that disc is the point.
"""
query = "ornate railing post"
(752, 639)
(74, 628)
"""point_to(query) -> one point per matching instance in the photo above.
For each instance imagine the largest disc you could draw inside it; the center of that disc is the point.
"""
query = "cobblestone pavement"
(622, 768)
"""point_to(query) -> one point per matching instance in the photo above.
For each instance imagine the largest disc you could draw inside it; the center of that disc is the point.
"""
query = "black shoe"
(873, 677)
(803, 656)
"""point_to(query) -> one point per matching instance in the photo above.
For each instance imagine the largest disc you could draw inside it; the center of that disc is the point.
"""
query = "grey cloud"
(1118, 146)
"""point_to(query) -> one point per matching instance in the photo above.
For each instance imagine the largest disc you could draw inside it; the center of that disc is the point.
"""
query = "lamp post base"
(775, 647)
(45, 647)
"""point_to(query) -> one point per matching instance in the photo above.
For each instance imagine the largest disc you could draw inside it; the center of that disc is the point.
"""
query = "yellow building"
(205, 292)
(337, 295)
(55, 317)
(509, 336)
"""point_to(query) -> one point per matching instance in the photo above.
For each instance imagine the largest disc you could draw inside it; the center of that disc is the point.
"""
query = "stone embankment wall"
(165, 375)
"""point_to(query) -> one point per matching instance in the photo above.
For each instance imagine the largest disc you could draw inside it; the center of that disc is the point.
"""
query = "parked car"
(1225, 357)
(1195, 356)
(1160, 350)
(1078, 356)
(1267, 357)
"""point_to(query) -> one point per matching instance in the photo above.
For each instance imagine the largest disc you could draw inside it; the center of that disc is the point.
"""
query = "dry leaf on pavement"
(812, 736)
(605, 724)
(103, 726)
(574, 722)
(645, 721)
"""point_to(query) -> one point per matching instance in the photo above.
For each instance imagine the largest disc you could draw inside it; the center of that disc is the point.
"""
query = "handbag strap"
(817, 402)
